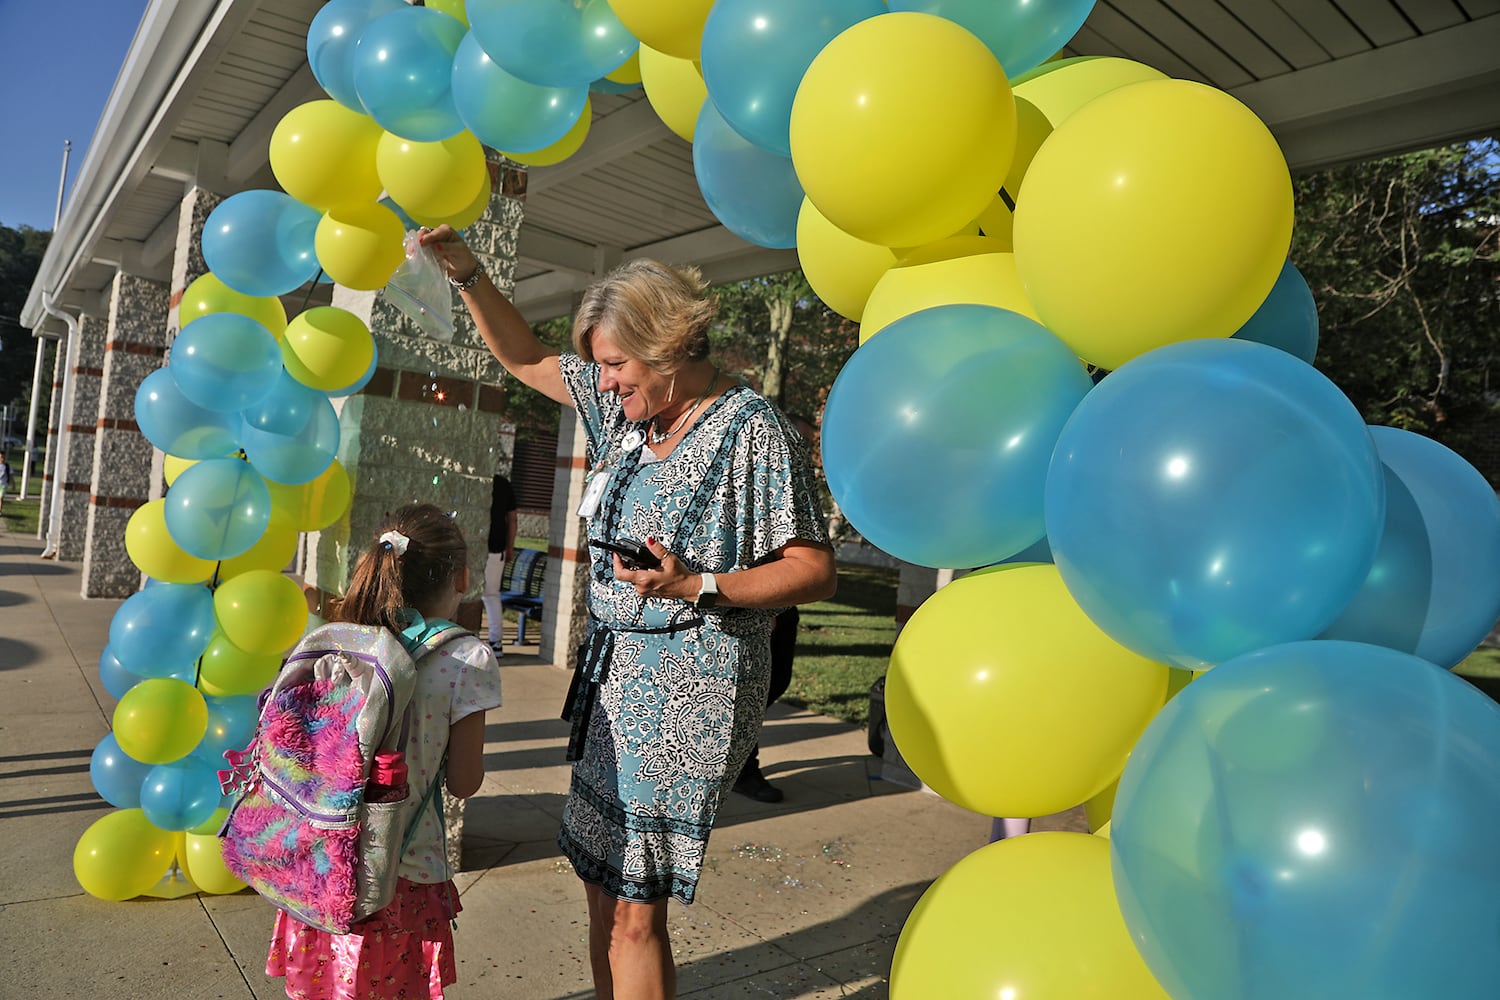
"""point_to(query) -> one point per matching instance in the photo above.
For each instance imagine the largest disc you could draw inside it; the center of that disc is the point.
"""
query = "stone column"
(54, 433)
(88, 371)
(566, 590)
(427, 426)
(122, 457)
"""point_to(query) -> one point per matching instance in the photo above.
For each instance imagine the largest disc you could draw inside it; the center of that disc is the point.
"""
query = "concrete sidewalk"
(802, 899)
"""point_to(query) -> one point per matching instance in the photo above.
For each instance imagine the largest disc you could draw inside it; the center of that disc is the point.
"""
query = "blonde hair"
(385, 581)
(656, 312)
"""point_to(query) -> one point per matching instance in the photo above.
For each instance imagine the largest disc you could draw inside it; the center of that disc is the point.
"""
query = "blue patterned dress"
(668, 700)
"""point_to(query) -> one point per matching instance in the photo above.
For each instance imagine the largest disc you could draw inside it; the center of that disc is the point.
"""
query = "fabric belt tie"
(593, 670)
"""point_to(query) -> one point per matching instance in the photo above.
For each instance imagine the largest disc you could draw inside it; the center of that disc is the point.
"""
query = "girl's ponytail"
(391, 575)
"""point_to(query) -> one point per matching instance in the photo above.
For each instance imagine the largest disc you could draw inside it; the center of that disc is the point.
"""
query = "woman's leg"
(637, 951)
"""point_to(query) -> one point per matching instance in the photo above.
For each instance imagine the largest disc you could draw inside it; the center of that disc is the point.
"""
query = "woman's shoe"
(754, 784)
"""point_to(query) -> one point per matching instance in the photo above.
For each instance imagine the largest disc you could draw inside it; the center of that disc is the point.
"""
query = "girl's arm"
(505, 331)
(466, 755)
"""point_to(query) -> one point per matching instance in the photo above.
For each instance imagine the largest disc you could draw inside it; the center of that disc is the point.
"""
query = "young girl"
(406, 950)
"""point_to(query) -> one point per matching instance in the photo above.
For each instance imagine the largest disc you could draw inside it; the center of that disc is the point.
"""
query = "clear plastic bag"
(420, 288)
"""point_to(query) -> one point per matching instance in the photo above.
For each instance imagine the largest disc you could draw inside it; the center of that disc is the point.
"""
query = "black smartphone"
(632, 553)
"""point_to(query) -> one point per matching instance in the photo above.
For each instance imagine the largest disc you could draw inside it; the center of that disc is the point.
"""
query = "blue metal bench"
(521, 588)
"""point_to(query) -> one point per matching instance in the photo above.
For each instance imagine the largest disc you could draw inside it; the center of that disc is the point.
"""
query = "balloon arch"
(1311, 816)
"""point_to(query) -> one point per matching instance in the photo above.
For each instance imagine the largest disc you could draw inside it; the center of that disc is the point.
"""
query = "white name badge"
(593, 493)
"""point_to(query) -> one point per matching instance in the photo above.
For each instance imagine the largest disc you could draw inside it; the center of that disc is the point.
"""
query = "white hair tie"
(396, 542)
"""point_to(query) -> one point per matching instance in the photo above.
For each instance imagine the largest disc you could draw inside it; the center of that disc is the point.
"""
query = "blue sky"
(58, 61)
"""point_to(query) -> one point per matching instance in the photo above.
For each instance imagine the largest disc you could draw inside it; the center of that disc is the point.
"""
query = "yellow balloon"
(675, 89)
(202, 858)
(323, 154)
(464, 219)
(315, 505)
(960, 269)
(260, 611)
(1031, 916)
(121, 855)
(431, 178)
(456, 9)
(152, 549)
(1157, 213)
(175, 882)
(910, 89)
(1007, 700)
(1098, 809)
(1057, 89)
(327, 348)
(629, 71)
(562, 148)
(160, 720)
(275, 548)
(842, 269)
(360, 246)
(1032, 128)
(207, 295)
(227, 670)
(675, 28)
(172, 467)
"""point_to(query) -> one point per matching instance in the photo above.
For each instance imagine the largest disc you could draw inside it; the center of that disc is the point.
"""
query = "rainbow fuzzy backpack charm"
(300, 831)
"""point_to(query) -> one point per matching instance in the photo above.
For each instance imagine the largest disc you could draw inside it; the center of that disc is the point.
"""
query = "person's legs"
(783, 649)
(494, 569)
(635, 948)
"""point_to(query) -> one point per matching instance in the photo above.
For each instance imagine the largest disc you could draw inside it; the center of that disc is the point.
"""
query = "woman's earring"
(672, 389)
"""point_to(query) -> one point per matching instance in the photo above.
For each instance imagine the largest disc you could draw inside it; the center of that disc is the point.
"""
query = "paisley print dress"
(668, 700)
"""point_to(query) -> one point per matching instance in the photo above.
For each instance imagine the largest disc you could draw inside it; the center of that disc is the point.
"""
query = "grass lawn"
(20, 515)
(844, 645)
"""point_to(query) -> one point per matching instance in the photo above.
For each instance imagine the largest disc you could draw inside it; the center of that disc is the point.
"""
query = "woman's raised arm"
(500, 323)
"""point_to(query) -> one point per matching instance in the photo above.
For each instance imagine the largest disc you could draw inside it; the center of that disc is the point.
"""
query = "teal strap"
(419, 630)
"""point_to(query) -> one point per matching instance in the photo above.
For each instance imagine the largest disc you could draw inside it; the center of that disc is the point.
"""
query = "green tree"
(1403, 257)
(21, 253)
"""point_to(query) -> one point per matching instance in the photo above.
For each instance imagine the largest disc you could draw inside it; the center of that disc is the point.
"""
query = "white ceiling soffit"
(206, 81)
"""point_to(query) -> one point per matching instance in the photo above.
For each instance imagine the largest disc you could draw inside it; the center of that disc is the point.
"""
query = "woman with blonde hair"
(708, 493)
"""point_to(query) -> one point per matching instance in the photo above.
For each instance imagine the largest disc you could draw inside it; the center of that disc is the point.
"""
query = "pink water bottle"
(387, 777)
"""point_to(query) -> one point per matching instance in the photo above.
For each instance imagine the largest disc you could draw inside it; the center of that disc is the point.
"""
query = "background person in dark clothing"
(502, 549)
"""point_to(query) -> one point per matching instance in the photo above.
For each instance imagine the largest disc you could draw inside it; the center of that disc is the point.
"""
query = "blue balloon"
(331, 39)
(506, 112)
(182, 794)
(1022, 34)
(1288, 319)
(261, 242)
(1212, 497)
(218, 508)
(116, 775)
(1315, 820)
(1433, 590)
(158, 630)
(403, 73)
(552, 43)
(231, 724)
(755, 53)
(300, 456)
(179, 427)
(286, 409)
(225, 361)
(113, 675)
(360, 382)
(938, 431)
(755, 193)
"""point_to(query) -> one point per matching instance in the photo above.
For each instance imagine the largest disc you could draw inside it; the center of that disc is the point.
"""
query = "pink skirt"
(404, 952)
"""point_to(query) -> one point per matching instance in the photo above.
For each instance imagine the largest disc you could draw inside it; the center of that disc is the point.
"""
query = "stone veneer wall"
(49, 462)
(88, 372)
(135, 344)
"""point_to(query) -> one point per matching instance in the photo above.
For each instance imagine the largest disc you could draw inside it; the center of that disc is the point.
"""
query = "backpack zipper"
(295, 803)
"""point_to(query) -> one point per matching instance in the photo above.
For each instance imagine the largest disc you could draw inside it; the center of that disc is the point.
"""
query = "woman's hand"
(458, 260)
(670, 579)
